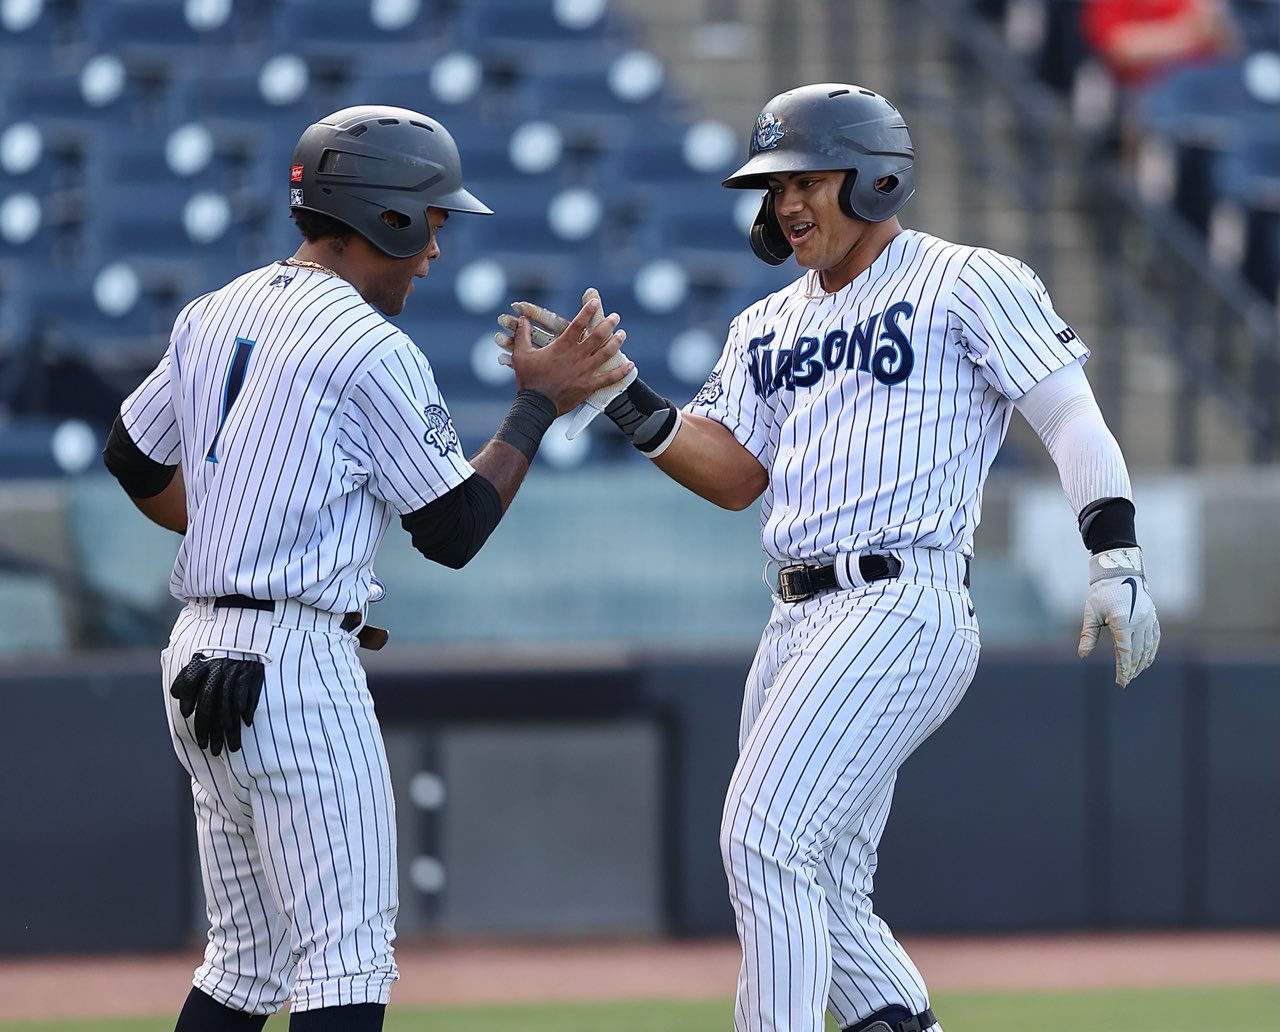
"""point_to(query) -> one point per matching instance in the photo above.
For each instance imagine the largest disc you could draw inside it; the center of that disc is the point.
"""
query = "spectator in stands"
(1141, 41)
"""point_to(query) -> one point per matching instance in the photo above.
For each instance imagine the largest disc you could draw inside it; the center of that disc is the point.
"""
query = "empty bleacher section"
(144, 143)
(142, 151)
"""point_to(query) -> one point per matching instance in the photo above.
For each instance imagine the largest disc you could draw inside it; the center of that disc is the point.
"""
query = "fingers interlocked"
(221, 693)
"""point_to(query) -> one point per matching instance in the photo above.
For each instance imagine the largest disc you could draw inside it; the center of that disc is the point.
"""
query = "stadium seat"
(29, 32)
(389, 33)
(548, 31)
(1248, 176)
(1204, 112)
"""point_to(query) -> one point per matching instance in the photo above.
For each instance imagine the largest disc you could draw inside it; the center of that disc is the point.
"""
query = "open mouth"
(798, 231)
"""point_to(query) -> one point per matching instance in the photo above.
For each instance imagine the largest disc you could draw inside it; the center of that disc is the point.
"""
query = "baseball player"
(288, 424)
(863, 405)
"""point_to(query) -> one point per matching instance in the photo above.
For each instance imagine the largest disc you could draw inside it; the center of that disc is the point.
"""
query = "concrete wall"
(581, 793)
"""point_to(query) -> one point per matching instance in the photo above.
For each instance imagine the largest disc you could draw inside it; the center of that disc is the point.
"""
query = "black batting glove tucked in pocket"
(221, 692)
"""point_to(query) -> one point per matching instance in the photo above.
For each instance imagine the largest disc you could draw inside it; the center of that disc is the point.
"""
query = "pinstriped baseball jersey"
(878, 409)
(304, 422)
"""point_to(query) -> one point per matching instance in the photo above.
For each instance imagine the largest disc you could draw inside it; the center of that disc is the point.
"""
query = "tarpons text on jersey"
(879, 345)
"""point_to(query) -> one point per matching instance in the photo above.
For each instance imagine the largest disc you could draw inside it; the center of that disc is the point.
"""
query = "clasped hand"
(546, 326)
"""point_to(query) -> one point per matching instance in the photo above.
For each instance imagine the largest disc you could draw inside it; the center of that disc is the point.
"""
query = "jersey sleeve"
(1002, 317)
(729, 396)
(149, 416)
(401, 427)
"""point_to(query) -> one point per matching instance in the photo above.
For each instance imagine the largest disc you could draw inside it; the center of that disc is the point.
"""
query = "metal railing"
(1153, 271)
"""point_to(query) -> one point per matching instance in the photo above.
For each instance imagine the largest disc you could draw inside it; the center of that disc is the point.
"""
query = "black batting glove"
(220, 692)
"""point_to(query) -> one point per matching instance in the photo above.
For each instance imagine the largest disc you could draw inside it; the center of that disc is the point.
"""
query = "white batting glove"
(545, 326)
(1119, 598)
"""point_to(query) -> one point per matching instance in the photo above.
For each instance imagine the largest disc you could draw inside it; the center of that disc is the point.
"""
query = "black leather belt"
(372, 638)
(926, 1019)
(804, 580)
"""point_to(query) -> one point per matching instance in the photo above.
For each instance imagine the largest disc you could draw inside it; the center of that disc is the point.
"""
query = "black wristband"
(1107, 524)
(528, 419)
(648, 420)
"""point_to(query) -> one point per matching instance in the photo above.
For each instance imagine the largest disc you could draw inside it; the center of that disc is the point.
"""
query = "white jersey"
(878, 409)
(304, 422)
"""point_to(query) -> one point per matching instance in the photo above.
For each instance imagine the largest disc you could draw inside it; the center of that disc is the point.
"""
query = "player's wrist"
(1116, 562)
(647, 419)
(1108, 524)
(527, 421)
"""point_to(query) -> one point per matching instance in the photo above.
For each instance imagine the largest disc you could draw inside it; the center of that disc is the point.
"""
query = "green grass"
(1247, 1009)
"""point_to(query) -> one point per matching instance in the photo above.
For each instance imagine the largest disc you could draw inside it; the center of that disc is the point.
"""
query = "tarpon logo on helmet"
(829, 126)
(440, 430)
(769, 133)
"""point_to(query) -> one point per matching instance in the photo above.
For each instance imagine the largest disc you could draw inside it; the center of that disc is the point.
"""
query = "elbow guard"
(139, 475)
(451, 529)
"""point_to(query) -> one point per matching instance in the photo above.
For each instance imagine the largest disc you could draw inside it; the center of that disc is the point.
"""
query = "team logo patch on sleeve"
(440, 431)
(710, 392)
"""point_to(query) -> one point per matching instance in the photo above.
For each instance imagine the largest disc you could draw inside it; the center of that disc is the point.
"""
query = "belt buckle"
(794, 584)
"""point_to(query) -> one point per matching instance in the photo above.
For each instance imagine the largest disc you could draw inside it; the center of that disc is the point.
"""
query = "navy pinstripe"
(876, 412)
(323, 438)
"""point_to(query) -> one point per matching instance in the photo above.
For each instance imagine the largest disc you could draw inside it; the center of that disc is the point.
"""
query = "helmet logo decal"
(295, 197)
(295, 174)
(768, 132)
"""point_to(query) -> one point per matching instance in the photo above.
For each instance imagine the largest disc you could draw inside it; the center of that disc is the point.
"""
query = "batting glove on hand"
(545, 326)
(1119, 598)
(221, 692)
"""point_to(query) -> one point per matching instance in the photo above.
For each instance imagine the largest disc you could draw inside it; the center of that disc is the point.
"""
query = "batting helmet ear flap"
(767, 239)
(846, 193)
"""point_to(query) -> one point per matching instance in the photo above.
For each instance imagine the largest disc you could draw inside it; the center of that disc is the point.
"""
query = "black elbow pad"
(139, 475)
(451, 529)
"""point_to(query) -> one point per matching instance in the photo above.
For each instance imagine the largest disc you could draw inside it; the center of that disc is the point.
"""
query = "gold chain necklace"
(302, 263)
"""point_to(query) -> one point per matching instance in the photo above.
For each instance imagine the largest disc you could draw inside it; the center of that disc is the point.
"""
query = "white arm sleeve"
(1061, 408)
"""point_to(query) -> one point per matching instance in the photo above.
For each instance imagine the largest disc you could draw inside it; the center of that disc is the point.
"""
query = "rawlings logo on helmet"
(768, 132)
(440, 430)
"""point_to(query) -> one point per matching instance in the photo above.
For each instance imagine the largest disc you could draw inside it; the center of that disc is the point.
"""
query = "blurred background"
(562, 714)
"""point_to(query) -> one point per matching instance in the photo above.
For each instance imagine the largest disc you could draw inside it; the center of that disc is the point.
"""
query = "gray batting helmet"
(360, 162)
(829, 125)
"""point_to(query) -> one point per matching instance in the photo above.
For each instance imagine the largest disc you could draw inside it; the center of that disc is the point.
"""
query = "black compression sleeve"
(1108, 523)
(451, 529)
(140, 476)
(528, 420)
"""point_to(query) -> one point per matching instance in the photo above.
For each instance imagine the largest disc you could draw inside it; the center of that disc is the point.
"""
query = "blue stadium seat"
(1249, 175)
(544, 30)
(277, 94)
(31, 33)
(386, 34)
(167, 32)
(1204, 112)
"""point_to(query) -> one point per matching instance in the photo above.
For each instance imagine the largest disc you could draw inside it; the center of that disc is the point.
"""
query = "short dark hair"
(316, 225)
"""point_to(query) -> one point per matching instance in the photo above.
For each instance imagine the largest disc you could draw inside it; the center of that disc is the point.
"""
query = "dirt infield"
(475, 972)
